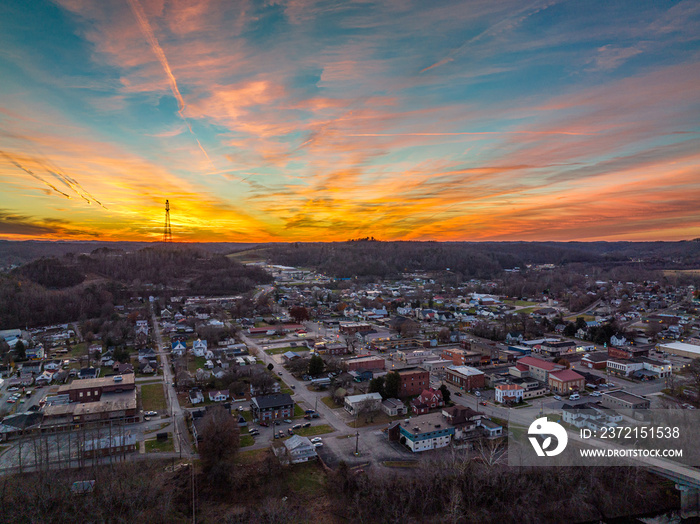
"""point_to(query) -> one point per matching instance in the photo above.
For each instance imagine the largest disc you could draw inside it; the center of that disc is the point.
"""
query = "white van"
(574, 396)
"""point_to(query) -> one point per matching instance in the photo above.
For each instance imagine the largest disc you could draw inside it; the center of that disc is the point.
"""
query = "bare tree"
(263, 383)
(218, 448)
(491, 452)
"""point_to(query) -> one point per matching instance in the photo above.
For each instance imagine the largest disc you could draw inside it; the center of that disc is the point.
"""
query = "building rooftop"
(465, 370)
(127, 380)
(565, 375)
(425, 424)
(539, 363)
(270, 401)
(508, 387)
(414, 369)
(681, 346)
(359, 398)
(624, 396)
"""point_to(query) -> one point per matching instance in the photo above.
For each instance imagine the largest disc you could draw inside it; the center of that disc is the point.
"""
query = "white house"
(393, 407)
(299, 449)
(219, 396)
(618, 340)
(199, 347)
(196, 396)
(141, 327)
(509, 393)
(354, 402)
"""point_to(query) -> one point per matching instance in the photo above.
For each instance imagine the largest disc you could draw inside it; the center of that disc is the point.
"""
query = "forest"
(370, 258)
(256, 488)
(72, 288)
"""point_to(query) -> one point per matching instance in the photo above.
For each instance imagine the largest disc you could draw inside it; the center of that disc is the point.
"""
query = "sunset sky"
(322, 121)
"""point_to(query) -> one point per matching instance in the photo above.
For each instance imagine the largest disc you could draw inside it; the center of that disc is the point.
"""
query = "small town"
(340, 262)
(373, 377)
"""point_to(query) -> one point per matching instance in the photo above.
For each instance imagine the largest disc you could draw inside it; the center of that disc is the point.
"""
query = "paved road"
(312, 399)
(174, 408)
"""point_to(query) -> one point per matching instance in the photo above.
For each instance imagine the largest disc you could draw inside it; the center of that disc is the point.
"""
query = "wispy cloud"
(160, 55)
(325, 120)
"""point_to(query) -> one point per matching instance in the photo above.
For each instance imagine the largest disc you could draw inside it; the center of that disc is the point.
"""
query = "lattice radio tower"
(167, 232)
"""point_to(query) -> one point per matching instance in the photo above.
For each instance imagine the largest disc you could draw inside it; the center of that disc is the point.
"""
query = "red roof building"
(566, 381)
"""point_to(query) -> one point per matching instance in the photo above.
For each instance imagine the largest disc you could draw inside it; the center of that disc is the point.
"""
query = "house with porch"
(430, 398)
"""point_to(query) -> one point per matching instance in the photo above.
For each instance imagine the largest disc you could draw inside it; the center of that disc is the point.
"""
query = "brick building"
(357, 364)
(272, 407)
(566, 381)
(461, 357)
(91, 390)
(628, 352)
(465, 377)
(413, 381)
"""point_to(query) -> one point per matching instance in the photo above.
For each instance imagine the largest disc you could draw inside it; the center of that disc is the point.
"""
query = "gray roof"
(274, 400)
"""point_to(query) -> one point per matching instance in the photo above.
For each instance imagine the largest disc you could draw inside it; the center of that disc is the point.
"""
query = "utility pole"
(167, 231)
(357, 442)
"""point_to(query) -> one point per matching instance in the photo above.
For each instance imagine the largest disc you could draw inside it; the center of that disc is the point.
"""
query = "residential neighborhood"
(361, 374)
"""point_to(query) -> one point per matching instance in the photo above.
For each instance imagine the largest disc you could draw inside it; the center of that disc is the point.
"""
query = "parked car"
(287, 421)
(151, 413)
(477, 393)
(263, 424)
(458, 393)
(306, 425)
(574, 396)
(557, 397)
(483, 403)
(309, 411)
(316, 439)
(596, 394)
(318, 444)
(296, 426)
(279, 373)
(315, 415)
(293, 386)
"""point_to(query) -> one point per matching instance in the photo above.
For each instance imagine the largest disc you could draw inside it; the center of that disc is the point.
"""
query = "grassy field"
(527, 310)
(379, 418)
(279, 351)
(308, 477)
(314, 430)
(252, 456)
(328, 401)
(153, 397)
(586, 317)
(286, 389)
(519, 303)
(400, 463)
(197, 362)
(153, 446)
(250, 255)
(246, 440)
(77, 350)
(298, 412)
(675, 272)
